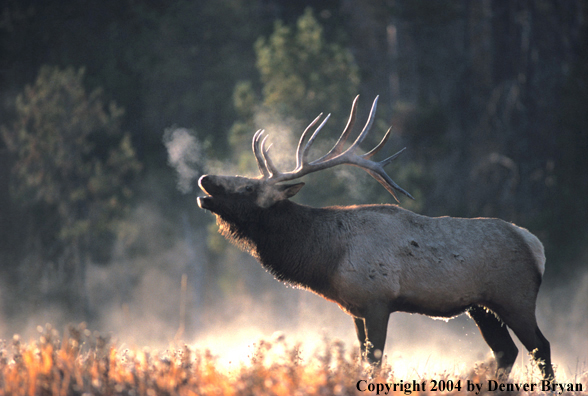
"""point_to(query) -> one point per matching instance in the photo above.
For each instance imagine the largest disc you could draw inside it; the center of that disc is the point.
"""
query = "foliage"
(300, 72)
(569, 187)
(198, 55)
(70, 154)
(489, 98)
(86, 363)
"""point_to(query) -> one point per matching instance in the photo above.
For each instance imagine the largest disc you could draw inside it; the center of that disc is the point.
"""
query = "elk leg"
(375, 327)
(498, 339)
(539, 347)
(360, 331)
(524, 324)
(543, 355)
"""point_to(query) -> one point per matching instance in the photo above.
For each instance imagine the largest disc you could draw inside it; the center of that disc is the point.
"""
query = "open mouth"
(204, 202)
(210, 186)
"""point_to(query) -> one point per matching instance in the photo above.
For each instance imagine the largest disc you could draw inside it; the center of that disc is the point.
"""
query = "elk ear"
(289, 190)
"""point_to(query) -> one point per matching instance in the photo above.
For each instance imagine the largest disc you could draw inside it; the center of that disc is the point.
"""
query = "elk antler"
(336, 156)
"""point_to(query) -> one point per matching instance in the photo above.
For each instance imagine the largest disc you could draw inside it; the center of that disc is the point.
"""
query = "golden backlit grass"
(86, 363)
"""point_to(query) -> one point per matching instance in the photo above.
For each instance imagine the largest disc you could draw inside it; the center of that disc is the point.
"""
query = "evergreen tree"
(74, 165)
(300, 73)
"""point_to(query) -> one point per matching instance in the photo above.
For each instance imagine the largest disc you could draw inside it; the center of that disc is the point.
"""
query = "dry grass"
(85, 363)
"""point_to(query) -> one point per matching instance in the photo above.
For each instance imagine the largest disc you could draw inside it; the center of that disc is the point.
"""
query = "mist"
(488, 97)
(170, 296)
(140, 303)
(185, 155)
(257, 307)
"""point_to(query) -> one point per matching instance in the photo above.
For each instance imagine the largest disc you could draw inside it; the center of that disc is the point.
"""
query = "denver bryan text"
(408, 387)
(543, 386)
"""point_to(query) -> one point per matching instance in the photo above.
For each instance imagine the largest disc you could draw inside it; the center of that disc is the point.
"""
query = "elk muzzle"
(208, 185)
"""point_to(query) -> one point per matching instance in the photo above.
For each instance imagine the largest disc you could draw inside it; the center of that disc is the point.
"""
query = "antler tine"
(366, 129)
(338, 147)
(261, 163)
(376, 170)
(384, 183)
(380, 145)
(274, 172)
(335, 157)
(311, 140)
(299, 152)
(391, 158)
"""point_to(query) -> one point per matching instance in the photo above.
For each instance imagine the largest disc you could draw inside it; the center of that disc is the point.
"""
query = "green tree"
(300, 72)
(73, 165)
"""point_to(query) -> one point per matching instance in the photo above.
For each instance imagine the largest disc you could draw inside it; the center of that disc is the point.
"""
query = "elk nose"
(210, 185)
(203, 182)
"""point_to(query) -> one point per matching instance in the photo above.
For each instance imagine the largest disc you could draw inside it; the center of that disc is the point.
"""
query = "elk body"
(373, 260)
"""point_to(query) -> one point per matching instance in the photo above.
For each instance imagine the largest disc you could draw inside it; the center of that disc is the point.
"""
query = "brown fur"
(376, 259)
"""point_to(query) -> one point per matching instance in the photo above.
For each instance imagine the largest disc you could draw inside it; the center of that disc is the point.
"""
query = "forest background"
(110, 110)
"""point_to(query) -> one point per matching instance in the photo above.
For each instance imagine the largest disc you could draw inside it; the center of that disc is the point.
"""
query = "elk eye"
(248, 188)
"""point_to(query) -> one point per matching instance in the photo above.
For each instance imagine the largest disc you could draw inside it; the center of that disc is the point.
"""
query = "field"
(86, 363)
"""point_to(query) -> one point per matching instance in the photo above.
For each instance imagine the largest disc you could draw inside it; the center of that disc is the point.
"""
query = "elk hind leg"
(536, 343)
(542, 354)
(498, 339)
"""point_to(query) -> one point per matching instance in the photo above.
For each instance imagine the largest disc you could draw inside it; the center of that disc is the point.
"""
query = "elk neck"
(291, 241)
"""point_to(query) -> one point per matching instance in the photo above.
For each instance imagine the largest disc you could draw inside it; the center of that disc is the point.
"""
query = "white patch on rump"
(536, 247)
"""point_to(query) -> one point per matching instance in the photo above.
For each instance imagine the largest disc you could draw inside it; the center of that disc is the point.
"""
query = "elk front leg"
(371, 333)
(360, 331)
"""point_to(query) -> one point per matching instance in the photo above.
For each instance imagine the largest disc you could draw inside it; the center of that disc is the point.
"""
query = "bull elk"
(373, 260)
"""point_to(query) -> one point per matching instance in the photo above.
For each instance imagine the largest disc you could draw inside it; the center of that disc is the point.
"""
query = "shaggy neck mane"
(285, 240)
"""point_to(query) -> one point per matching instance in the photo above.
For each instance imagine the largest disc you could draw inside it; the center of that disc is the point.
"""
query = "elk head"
(230, 196)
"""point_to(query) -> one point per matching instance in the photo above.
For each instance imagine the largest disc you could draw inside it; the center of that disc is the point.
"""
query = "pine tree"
(74, 165)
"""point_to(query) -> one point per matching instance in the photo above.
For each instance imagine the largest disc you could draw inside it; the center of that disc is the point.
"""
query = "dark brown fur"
(376, 259)
(283, 239)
